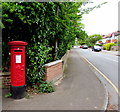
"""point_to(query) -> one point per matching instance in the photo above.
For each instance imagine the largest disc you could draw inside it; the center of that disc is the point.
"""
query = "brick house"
(109, 38)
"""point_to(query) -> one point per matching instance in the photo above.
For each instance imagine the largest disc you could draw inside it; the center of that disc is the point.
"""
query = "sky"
(102, 20)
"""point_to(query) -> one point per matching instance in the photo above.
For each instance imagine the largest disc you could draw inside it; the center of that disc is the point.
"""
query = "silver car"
(85, 47)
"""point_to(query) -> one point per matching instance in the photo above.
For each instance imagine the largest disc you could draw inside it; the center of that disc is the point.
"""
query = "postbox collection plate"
(18, 58)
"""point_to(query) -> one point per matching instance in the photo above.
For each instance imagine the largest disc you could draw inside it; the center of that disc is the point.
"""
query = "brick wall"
(5, 80)
(53, 71)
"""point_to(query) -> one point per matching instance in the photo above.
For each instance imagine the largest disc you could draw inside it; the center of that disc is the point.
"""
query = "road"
(108, 65)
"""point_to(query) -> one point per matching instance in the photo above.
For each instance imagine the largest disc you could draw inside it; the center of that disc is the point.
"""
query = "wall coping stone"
(53, 63)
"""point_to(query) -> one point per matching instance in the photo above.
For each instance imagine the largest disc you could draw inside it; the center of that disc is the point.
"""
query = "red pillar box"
(17, 68)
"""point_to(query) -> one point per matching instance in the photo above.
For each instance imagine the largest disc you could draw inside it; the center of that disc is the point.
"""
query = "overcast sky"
(102, 20)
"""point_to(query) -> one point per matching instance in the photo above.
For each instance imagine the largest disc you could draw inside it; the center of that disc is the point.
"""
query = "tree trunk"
(56, 39)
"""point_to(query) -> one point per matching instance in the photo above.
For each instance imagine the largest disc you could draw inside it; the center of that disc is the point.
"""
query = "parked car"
(75, 46)
(85, 47)
(96, 48)
(81, 46)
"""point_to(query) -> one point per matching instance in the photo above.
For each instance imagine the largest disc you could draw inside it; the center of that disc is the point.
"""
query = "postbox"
(17, 68)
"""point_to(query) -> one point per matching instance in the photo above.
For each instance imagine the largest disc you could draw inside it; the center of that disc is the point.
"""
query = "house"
(114, 37)
(109, 38)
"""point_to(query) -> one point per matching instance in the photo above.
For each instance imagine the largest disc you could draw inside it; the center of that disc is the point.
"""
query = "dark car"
(85, 47)
(96, 48)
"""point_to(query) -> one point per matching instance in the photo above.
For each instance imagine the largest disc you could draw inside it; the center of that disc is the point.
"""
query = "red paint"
(17, 67)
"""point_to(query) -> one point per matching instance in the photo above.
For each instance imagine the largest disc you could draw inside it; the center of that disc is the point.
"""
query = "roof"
(110, 35)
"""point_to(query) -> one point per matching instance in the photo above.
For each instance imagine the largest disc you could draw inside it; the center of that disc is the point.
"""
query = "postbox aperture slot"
(17, 50)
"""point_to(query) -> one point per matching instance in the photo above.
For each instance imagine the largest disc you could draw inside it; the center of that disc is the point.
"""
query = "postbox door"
(18, 67)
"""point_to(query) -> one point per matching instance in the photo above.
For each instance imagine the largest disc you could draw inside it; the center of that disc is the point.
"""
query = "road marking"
(116, 89)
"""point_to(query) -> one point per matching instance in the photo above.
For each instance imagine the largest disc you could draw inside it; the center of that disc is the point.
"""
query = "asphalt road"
(106, 63)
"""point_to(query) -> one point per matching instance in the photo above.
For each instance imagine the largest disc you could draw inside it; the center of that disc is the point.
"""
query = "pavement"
(80, 89)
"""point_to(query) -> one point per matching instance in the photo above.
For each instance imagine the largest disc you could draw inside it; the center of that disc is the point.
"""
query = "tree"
(82, 37)
(92, 39)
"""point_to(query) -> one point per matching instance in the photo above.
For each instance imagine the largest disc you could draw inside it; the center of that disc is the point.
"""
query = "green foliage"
(46, 87)
(99, 44)
(82, 37)
(91, 40)
(8, 95)
(37, 56)
(43, 87)
(108, 46)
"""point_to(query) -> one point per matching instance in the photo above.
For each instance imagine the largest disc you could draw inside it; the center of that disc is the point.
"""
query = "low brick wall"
(5, 80)
(54, 71)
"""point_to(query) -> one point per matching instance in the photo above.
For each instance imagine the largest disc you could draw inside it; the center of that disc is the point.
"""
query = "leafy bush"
(104, 47)
(37, 56)
(108, 46)
(44, 87)
(99, 44)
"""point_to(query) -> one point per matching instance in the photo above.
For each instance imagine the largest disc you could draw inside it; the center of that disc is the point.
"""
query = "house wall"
(108, 41)
(114, 40)
(111, 38)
